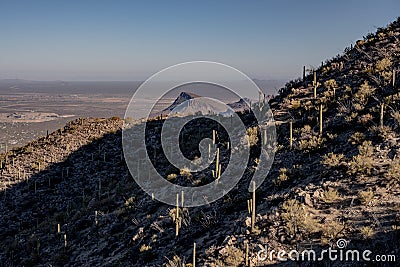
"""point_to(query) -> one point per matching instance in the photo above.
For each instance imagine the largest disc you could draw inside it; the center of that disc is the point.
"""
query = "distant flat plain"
(28, 109)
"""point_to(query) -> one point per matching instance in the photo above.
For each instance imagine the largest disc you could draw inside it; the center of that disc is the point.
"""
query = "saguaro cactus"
(315, 84)
(96, 221)
(217, 165)
(394, 78)
(381, 115)
(177, 216)
(320, 119)
(65, 240)
(253, 207)
(213, 136)
(291, 134)
(194, 255)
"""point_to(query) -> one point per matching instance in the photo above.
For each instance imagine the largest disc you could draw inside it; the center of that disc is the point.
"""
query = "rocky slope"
(68, 199)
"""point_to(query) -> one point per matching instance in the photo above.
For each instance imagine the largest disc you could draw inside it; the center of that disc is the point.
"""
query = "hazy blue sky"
(130, 40)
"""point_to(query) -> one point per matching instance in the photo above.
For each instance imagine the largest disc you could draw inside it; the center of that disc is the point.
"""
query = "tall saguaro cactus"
(253, 208)
(320, 119)
(217, 172)
(213, 136)
(177, 216)
(315, 84)
(194, 255)
(291, 134)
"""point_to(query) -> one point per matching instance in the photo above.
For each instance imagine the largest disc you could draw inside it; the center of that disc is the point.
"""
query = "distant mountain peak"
(183, 96)
(188, 95)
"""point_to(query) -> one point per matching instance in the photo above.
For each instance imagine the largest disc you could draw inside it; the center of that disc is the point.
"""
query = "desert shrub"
(357, 138)
(296, 218)
(309, 140)
(330, 196)
(363, 162)
(330, 84)
(366, 196)
(358, 106)
(233, 256)
(367, 232)
(365, 118)
(383, 132)
(283, 177)
(330, 230)
(313, 143)
(171, 176)
(308, 105)
(306, 132)
(332, 136)
(360, 43)
(217, 263)
(130, 202)
(393, 173)
(364, 93)
(185, 172)
(295, 104)
(175, 262)
(349, 118)
(383, 64)
(252, 136)
(327, 95)
(144, 248)
(331, 160)
(396, 116)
